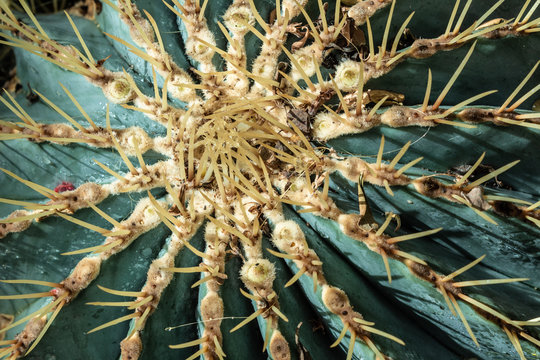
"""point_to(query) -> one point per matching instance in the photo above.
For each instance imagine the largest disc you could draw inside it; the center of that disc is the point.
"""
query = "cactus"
(260, 178)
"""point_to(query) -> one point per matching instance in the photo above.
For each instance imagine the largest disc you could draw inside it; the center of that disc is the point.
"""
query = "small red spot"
(54, 292)
(64, 186)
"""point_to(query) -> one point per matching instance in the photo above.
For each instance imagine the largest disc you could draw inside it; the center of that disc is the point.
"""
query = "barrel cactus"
(271, 179)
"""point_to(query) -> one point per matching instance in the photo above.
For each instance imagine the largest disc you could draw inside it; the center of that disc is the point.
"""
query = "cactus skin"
(352, 282)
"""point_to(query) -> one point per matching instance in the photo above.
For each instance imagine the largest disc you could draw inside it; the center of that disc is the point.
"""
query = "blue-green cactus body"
(410, 308)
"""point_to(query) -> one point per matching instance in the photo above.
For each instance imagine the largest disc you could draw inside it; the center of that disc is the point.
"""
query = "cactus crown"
(237, 145)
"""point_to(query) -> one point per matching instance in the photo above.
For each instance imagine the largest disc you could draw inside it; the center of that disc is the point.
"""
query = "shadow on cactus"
(283, 179)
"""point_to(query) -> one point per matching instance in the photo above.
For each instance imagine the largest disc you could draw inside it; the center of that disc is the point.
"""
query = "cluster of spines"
(120, 87)
(351, 77)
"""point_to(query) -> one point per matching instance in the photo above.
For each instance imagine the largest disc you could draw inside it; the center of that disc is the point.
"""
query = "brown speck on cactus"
(240, 167)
